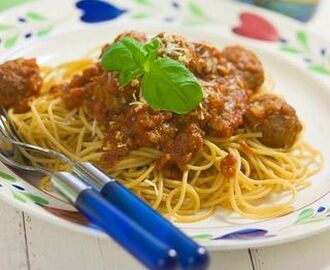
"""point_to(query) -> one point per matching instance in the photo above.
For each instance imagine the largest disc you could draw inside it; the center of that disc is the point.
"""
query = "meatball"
(247, 65)
(275, 119)
(20, 81)
(177, 48)
(210, 62)
(138, 36)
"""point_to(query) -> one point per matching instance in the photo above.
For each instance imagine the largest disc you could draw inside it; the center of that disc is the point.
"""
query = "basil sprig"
(166, 84)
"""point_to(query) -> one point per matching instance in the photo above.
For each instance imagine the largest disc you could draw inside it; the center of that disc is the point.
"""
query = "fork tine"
(11, 135)
(36, 182)
(5, 133)
(10, 128)
(10, 162)
(35, 148)
(15, 157)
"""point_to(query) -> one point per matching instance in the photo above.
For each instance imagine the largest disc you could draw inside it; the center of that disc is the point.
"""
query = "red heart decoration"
(256, 27)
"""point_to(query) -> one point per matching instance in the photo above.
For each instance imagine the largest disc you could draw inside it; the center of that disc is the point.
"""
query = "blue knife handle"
(149, 250)
(191, 255)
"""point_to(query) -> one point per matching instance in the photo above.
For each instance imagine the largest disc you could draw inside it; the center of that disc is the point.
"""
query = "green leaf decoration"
(25, 196)
(290, 49)
(137, 16)
(6, 4)
(7, 177)
(36, 199)
(320, 69)
(4, 27)
(34, 16)
(315, 220)
(204, 236)
(196, 10)
(143, 2)
(305, 215)
(302, 39)
(10, 42)
(191, 22)
(45, 31)
(18, 196)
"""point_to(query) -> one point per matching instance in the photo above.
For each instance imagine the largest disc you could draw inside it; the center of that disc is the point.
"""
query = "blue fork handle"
(149, 250)
(153, 253)
(191, 255)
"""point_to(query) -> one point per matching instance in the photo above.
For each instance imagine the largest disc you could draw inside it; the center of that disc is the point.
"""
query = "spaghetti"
(240, 149)
(260, 172)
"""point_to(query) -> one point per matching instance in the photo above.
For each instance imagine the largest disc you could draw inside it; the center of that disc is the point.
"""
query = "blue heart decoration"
(95, 11)
(245, 234)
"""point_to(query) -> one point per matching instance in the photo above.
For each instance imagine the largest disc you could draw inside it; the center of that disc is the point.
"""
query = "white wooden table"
(27, 243)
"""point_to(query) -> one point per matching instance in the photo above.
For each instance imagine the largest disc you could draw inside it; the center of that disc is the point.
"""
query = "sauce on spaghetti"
(230, 80)
(227, 165)
(238, 148)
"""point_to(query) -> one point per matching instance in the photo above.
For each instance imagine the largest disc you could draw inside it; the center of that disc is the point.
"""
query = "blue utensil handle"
(150, 251)
(191, 255)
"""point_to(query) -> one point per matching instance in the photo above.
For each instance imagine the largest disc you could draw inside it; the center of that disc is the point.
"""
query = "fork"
(149, 250)
(191, 255)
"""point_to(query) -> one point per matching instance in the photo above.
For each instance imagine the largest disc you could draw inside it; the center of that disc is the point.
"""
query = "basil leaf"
(166, 84)
(151, 50)
(126, 77)
(125, 56)
(171, 86)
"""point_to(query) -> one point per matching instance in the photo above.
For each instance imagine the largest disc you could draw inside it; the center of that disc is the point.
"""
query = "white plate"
(53, 32)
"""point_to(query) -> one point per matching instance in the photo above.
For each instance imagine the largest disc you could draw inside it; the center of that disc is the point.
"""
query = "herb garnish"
(166, 84)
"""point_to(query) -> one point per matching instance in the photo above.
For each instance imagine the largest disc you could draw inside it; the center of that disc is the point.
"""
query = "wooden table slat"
(13, 249)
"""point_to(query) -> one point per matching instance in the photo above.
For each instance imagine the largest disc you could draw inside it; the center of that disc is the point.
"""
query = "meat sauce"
(229, 79)
(131, 124)
(227, 165)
